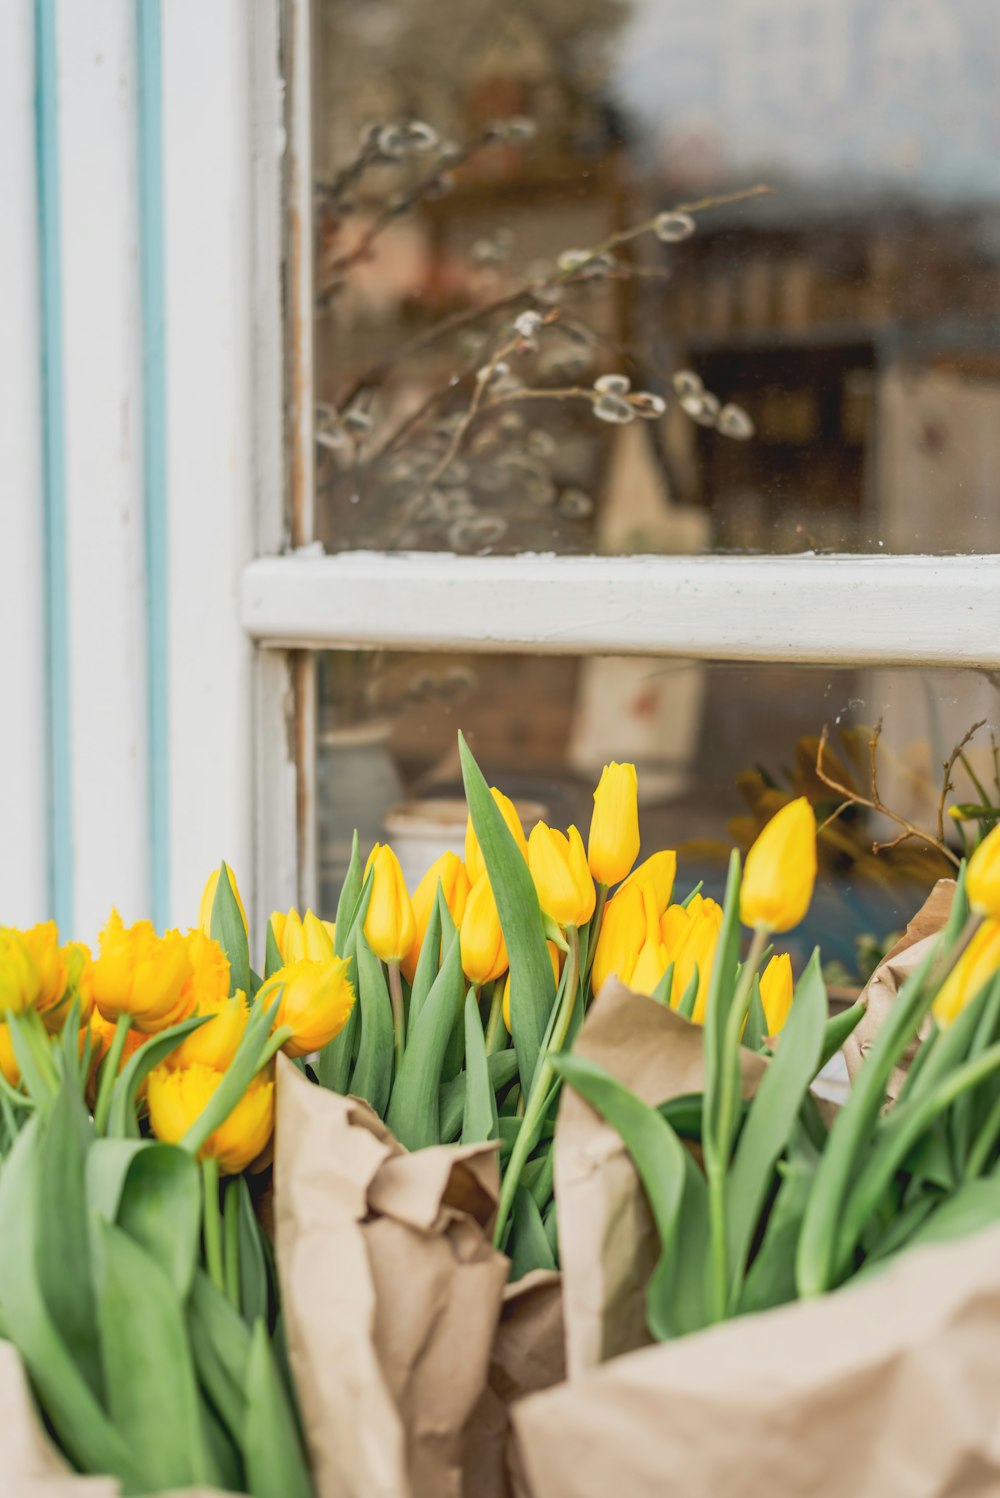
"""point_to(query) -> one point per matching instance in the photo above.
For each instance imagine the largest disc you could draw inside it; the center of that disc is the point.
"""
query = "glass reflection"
(818, 368)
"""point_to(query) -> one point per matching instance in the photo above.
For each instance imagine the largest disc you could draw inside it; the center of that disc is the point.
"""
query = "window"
(785, 519)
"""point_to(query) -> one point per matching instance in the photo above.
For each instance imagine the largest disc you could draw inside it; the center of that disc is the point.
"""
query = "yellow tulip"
(659, 870)
(555, 957)
(777, 988)
(562, 877)
(781, 870)
(178, 1098)
(214, 1043)
(675, 923)
(299, 937)
(982, 878)
(8, 1061)
(654, 957)
(102, 1033)
(475, 864)
(613, 845)
(143, 975)
(977, 965)
(316, 1003)
(697, 952)
(19, 979)
(208, 900)
(449, 872)
(42, 942)
(390, 925)
(623, 931)
(484, 951)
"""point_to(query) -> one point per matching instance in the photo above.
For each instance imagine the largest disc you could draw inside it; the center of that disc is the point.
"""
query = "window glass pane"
(718, 747)
(850, 319)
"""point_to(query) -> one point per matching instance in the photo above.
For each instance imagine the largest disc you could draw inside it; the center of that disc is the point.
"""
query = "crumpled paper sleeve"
(889, 977)
(886, 1389)
(391, 1291)
(528, 1356)
(607, 1239)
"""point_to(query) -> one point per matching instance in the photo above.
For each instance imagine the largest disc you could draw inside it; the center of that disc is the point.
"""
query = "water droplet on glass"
(613, 408)
(613, 384)
(686, 382)
(671, 228)
(576, 503)
(476, 532)
(734, 422)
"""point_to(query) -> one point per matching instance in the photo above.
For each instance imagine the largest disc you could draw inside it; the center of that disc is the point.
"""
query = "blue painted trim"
(60, 788)
(154, 445)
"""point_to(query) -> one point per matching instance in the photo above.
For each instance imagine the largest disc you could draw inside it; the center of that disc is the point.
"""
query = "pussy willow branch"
(949, 765)
(529, 290)
(875, 802)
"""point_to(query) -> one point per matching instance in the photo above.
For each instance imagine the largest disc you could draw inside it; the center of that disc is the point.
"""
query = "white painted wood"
(102, 391)
(208, 214)
(846, 610)
(275, 882)
(23, 882)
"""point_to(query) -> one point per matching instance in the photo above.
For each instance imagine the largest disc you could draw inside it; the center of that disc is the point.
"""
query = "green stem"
(496, 1014)
(717, 1158)
(594, 935)
(212, 1222)
(231, 1224)
(984, 1144)
(541, 1085)
(109, 1072)
(398, 1017)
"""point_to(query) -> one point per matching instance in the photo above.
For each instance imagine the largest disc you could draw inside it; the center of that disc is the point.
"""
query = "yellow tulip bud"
(475, 864)
(484, 951)
(390, 925)
(977, 965)
(8, 1061)
(562, 878)
(19, 979)
(781, 870)
(654, 958)
(697, 952)
(623, 931)
(143, 975)
(178, 1098)
(449, 872)
(777, 988)
(982, 878)
(659, 870)
(208, 900)
(42, 942)
(613, 846)
(555, 957)
(316, 1003)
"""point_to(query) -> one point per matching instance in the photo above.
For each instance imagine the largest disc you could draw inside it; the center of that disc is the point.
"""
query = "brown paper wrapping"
(886, 1389)
(391, 1290)
(607, 1239)
(887, 979)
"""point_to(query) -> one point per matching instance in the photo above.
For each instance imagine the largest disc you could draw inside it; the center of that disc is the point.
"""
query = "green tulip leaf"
(220, 1344)
(254, 1278)
(503, 1068)
(350, 893)
(840, 1028)
(272, 1450)
(532, 985)
(273, 960)
(428, 966)
(372, 1079)
(121, 1119)
(414, 1111)
(479, 1122)
(160, 1208)
(528, 1244)
(229, 931)
(772, 1115)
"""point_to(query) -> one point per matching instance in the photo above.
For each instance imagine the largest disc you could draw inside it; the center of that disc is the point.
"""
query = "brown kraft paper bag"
(889, 977)
(607, 1240)
(888, 1388)
(391, 1292)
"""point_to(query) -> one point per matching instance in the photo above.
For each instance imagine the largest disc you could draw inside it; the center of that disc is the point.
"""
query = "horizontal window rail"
(867, 610)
